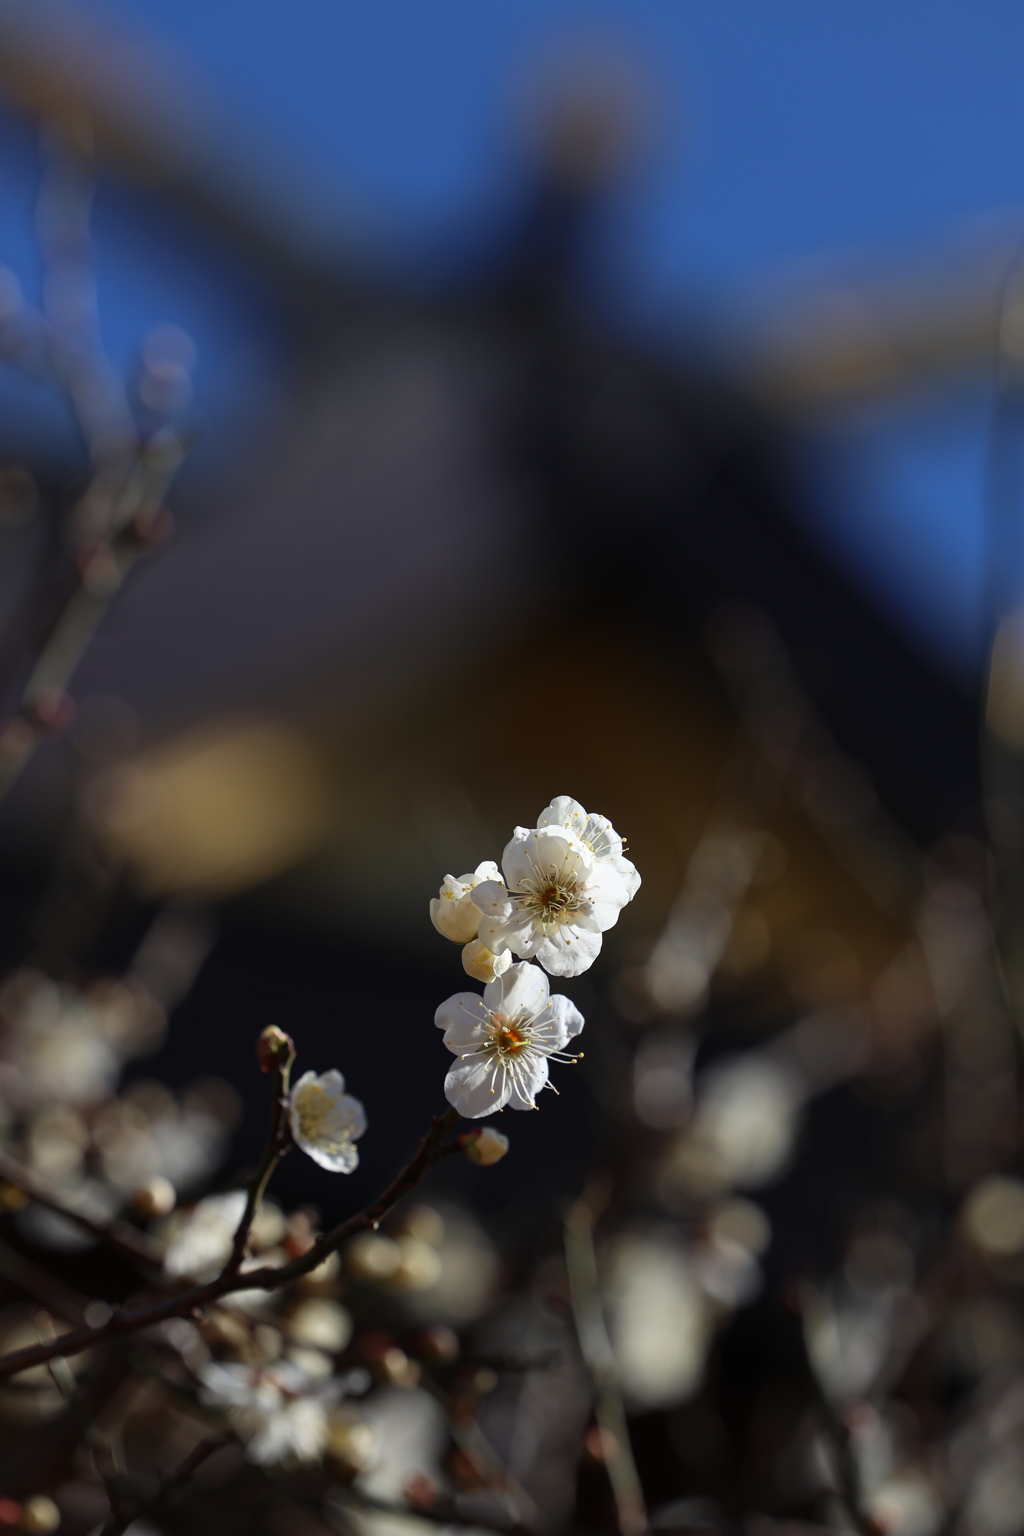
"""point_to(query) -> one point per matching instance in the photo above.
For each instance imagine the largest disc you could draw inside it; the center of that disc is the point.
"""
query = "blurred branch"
(443, 1513)
(595, 1345)
(101, 1453)
(173, 1483)
(132, 525)
(430, 1151)
(72, 331)
(117, 1235)
(53, 1294)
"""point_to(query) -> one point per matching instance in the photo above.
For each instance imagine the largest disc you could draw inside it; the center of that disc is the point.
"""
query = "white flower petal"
(482, 963)
(492, 899)
(453, 912)
(569, 952)
(548, 852)
(476, 1088)
(462, 1018)
(565, 1018)
(325, 1121)
(596, 833)
(523, 988)
(524, 1088)
(563, 811)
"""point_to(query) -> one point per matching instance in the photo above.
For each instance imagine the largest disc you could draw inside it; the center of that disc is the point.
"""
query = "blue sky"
(784, 135)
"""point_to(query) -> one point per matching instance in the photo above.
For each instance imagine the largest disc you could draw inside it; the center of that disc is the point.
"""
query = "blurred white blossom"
(504, 1041)
(746, 1118)
(280, 1415)
(199, 1239)
(659, 1320)
(326, 1121)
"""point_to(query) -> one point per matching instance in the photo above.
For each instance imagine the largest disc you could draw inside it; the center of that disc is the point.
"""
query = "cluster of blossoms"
(561, 885)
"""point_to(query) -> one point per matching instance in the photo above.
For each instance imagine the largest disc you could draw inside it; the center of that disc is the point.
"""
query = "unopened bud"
(483, 1146)
(274, 1049)
(50, 712)
(157, 1197)
(40, 1514)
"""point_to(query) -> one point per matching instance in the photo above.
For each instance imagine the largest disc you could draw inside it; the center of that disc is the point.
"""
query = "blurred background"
(621, 400)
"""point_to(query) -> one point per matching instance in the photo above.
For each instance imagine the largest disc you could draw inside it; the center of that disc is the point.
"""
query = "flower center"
(551, 900)
(506, 1039)
(312, 1107)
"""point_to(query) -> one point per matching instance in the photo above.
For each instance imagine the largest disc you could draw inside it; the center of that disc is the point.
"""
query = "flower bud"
(480, 963)
(40, 1514)
(274, 1049)
(157, 1197)
(351, 1442)
(483, 1146)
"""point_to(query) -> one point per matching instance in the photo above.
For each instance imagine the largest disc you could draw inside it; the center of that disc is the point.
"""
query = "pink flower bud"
(274, 1049)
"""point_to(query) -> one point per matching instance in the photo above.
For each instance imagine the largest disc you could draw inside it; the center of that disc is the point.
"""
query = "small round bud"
(351, 1442)
(483, 1146)
(421, 1491)
(17, 737)
(274, 1049)
(438, 1344)
(100, 570)
(157, 1197)
(51, 711)
(372, 1257)
(40, 1514)
(398, 1370)
(150, 528)
(419, 1265)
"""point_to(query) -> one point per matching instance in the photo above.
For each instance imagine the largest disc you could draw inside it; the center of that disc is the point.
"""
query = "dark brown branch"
(269, 1278)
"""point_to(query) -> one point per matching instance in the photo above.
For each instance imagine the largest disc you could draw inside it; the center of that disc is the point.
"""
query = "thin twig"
(268, 1278)
(596, 1348)
(278, 1143)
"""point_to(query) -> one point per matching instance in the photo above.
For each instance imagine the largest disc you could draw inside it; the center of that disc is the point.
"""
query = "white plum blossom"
(594, 832)
(504, 1041)
(276, 1411)
(482, 963)
(559, 900)
(200, 1238)
(453, 911)
(326, 1121)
